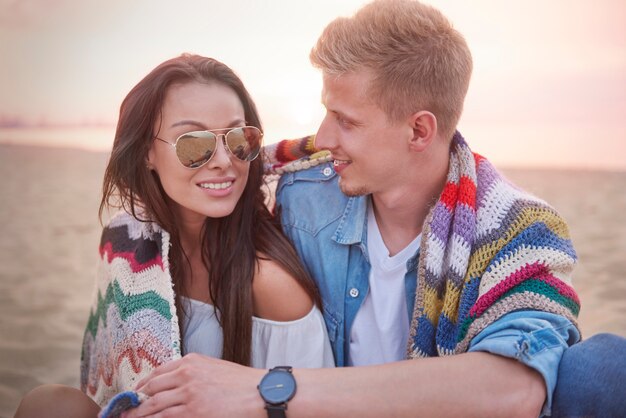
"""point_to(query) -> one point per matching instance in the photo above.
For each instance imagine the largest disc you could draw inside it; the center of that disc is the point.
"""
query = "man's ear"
(424, 125)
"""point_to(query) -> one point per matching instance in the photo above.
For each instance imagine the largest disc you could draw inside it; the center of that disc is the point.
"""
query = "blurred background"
(547, 104)
(549, 84)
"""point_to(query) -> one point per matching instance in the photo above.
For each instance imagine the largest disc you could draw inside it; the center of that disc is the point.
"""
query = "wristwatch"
(277, 387)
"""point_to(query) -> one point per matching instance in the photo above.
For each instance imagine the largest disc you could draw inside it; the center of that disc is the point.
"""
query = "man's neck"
(399, 224)
(400, 213)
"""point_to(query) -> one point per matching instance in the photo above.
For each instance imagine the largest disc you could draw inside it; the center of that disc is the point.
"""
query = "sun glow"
(560, 84)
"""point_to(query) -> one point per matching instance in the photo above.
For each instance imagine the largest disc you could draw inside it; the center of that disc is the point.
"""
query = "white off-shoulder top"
(300, 343)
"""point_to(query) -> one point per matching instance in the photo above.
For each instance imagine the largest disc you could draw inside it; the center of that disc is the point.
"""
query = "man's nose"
(325, 138)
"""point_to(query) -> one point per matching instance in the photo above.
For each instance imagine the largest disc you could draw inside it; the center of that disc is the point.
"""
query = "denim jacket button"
(354, 292)
(327, 171)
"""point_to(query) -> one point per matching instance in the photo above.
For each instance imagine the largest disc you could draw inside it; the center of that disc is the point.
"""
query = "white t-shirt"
(300, 343)
(380, 330)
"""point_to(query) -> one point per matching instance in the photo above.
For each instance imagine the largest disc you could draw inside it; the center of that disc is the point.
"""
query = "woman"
(194, 253)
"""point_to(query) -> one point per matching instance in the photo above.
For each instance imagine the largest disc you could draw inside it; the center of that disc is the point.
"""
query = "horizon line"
(508, 166)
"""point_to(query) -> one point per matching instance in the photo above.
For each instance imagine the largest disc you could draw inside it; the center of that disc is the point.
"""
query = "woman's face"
(214, 189)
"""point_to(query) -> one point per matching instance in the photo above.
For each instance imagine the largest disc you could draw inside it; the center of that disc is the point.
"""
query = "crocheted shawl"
(487, 249)
(132, 326)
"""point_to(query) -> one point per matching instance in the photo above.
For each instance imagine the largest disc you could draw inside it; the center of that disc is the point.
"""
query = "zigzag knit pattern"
(488, 249)
(132, 327)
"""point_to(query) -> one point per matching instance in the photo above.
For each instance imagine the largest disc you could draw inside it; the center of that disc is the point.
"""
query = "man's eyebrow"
(352, 119)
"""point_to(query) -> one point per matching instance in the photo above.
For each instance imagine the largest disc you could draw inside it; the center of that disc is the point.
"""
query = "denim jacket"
(329, 232)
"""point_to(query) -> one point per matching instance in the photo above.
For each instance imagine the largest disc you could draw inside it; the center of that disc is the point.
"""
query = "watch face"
(277, 386)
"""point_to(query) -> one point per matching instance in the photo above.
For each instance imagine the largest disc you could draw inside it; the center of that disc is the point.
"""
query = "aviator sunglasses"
(195, 149)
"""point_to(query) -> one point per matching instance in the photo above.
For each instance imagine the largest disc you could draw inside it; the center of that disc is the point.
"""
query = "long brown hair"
(231, 245)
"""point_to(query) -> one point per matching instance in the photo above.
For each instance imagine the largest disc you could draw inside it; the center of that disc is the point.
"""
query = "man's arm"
(470, 384)
(534, 338)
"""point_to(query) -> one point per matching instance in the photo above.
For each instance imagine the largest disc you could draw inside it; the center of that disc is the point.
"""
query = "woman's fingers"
(162, 369)
(161, 404)
(187, 386)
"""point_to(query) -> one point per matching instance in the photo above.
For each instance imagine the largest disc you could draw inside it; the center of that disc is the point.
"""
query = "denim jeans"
(592, 379)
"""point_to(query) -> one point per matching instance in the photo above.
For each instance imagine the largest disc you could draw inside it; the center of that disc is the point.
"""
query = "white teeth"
(339, 162)
(216, 186)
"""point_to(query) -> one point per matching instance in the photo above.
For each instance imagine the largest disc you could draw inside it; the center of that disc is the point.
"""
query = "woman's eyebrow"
(188, 122)
(234, 123)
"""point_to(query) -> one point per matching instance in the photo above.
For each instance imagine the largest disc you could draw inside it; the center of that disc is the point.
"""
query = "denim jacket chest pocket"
(304, 193)
(333, 322)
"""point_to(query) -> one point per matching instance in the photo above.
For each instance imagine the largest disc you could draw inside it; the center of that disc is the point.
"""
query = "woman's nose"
(222, 157)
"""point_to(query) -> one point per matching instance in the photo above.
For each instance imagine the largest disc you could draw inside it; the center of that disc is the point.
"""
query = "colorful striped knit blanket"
(488, 249)
(132, 326)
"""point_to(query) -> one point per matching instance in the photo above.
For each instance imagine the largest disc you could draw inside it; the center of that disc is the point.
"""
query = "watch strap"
(276, 411)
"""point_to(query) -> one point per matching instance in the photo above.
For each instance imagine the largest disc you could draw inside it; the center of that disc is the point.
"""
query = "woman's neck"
(196, 278)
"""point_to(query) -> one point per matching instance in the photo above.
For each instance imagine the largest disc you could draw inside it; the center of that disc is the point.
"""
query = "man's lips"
(340, 165)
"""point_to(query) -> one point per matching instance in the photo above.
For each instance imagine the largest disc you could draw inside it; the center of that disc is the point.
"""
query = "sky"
(548, 87)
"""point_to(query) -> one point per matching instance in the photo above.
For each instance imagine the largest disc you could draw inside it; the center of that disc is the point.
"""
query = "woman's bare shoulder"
(277, 295)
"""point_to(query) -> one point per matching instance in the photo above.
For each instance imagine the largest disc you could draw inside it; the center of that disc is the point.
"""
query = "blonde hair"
(417, 59)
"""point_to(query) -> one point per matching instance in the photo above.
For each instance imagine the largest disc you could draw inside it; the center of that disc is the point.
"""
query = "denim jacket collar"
(351, 228)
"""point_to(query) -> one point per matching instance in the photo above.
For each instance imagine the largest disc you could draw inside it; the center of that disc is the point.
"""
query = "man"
(448, 285)
(395, 77)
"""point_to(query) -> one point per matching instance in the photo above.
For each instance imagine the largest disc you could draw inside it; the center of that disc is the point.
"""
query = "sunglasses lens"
(244, 143)
(195, 148)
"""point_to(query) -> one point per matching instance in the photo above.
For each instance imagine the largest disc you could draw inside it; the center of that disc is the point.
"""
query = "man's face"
(369, 151)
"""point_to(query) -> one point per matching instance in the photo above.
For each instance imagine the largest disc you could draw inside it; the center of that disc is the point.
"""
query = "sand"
(48, 255)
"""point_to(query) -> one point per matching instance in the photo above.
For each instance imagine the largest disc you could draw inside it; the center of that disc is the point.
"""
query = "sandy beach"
(48, 254)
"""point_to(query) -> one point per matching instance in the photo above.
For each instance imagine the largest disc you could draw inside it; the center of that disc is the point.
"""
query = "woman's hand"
(200, 386)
